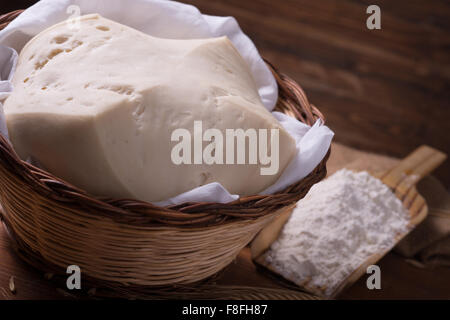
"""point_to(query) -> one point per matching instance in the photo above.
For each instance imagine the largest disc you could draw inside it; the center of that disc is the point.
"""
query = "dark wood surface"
(385, 91)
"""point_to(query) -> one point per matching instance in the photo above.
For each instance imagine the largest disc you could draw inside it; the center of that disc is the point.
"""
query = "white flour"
(336, 227)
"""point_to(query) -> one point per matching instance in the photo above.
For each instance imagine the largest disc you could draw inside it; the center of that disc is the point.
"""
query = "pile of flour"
(340, 223)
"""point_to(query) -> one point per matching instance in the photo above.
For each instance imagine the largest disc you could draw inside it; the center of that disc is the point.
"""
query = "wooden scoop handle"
(413, 168)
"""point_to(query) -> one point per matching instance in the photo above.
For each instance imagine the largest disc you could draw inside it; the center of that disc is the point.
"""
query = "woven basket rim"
(292, 101)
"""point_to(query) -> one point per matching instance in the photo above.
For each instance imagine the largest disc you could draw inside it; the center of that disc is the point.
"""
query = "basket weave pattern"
(129, 242)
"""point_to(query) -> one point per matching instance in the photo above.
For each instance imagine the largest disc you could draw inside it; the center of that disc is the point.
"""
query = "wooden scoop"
(402, 180)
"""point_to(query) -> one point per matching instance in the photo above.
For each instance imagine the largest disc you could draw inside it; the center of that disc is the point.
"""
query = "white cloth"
(170, 19)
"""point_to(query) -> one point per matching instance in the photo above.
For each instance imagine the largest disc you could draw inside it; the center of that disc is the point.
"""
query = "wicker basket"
(126, 242)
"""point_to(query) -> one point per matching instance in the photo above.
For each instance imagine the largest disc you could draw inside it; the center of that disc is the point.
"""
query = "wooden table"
(399, 279)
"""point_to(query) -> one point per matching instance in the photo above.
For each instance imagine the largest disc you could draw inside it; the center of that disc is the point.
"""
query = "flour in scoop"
(341, 222)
